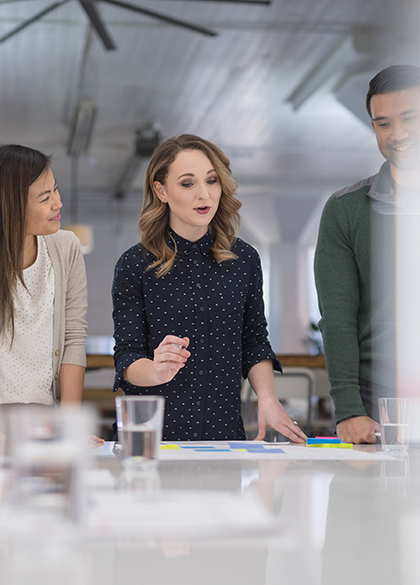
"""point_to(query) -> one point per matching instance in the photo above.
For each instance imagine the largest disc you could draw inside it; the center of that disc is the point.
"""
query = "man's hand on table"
(358, 429)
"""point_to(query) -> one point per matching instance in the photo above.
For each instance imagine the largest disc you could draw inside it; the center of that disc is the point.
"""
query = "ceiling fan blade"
(97, 23)
(11, 1)
(34, 18)
(163, 17)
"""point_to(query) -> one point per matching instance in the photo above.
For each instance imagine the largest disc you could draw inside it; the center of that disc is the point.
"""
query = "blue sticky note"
(198, 447)
(239, 445)
(211, 450)
(322, 441)
(253, 447)
(248, 446)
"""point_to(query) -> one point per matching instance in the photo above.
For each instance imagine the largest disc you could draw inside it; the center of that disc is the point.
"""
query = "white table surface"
(268, 519)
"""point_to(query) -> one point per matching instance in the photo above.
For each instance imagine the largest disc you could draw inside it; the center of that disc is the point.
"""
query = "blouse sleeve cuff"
(257, 354)
(121, 364)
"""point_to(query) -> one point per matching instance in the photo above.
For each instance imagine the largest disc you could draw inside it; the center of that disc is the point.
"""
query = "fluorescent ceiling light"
(81, 128)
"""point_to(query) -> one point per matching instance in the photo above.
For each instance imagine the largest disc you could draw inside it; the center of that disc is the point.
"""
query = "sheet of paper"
(237, 450)
(104, 450)
(252, 450)
(224, 450)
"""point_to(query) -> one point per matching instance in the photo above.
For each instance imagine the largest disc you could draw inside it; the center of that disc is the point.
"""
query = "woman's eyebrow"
(192, 174)
(46, 191)
(186, 175)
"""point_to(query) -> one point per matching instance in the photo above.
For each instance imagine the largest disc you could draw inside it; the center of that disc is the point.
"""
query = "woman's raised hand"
(170, 356)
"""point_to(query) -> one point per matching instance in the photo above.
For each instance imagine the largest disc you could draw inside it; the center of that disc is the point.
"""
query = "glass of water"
(394, 417)
(49, 457)
(139, 423)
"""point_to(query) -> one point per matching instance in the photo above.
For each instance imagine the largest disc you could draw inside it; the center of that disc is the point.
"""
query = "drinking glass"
(49, 455)
(394, 417)
(139, 423)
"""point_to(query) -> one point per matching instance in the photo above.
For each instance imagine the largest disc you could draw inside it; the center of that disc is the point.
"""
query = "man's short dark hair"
(394, 78)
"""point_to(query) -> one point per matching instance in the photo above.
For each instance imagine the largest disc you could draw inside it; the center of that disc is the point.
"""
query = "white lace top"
(26, 369)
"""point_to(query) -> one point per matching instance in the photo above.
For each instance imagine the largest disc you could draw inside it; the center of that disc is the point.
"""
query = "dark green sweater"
(355, 242)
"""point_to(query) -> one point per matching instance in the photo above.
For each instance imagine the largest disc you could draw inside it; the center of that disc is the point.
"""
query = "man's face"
(396, 121)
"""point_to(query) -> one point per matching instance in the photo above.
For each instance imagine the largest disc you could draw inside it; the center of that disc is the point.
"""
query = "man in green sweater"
(354, 260)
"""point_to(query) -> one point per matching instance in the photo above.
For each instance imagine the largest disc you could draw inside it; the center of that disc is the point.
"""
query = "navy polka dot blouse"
(219, 307)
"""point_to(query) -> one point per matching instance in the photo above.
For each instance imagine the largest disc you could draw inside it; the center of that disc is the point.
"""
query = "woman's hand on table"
(272, 414)
(95, 442)
(170, 356)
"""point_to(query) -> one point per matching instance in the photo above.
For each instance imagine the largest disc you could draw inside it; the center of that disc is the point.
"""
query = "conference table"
(235, 513)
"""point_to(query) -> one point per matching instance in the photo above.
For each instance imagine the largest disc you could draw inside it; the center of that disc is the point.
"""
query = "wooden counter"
(95, 361)
(302, 361)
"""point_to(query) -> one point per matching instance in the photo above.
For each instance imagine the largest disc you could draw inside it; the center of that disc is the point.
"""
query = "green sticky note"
(332, 445)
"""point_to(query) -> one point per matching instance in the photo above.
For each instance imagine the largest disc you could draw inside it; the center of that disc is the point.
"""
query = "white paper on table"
(104, 450)
(214, 450)
(220, 450)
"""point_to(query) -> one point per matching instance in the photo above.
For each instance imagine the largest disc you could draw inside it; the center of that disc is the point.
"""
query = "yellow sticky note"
(169, 447)
(333, 445)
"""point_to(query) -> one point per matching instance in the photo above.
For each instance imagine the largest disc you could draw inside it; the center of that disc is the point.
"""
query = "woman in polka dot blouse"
(42, 286)
(188, 308)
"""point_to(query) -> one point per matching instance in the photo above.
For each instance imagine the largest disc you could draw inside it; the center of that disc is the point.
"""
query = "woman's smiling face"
(192, 191)
(44, 204)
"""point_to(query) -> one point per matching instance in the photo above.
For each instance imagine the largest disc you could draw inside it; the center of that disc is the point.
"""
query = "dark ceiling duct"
(146, 142)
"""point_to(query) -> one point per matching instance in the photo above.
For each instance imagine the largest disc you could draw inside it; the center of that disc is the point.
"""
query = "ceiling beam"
(97, 23)
(163, 17)
(31, 20)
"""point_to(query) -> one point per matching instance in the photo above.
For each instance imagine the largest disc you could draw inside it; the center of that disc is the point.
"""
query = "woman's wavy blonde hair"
(154, 218)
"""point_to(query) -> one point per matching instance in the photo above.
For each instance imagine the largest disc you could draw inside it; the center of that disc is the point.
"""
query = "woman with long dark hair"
(188, 307)
(42, 286)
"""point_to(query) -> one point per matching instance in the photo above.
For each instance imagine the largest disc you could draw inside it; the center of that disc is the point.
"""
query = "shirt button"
(201, 372)
(194, 246)
(196, 262)
(198, 285)
(57, 352)
(56, 377)
(202, 309)
(195, 435)
(202, 340)
(198, 403)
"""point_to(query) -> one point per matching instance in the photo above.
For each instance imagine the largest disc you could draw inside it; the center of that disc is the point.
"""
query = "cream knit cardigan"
(70, 303)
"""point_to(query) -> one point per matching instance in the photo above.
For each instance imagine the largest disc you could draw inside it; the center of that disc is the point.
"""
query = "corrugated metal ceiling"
(230, 89)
